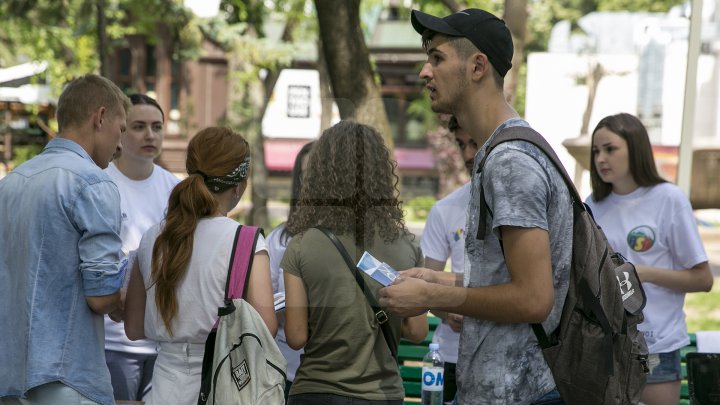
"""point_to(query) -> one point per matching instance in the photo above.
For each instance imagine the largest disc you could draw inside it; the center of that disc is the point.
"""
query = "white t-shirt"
(202, 289)
(655, 226)
(443, 238)
(276, 249)
(143, 204)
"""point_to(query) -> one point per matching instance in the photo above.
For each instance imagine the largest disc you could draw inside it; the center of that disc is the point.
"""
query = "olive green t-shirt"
(346, 353)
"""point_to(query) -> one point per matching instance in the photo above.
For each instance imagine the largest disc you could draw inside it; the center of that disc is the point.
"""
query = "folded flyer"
(379, 271)
(279, 299)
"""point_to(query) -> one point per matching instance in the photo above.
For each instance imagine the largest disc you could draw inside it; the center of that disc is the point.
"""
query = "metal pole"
(688, 118)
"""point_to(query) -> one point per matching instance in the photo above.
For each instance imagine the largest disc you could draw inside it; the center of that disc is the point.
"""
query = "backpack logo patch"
(626, 286)
(641, 239)
(241, 375)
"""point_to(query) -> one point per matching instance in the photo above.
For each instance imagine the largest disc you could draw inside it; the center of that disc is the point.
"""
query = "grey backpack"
(596, 354)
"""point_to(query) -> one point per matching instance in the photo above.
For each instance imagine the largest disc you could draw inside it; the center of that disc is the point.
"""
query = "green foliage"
(22, 153)
(702, 310)
(65, 33)
(40, 30)
(420, 107)
(638, 5)
(250, 12)
(436, 7)
(419, 207)
(239, 28)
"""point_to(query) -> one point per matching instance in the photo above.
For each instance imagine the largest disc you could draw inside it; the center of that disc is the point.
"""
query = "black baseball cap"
(487, 32)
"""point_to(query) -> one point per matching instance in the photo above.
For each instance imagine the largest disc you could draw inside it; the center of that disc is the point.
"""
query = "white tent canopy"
(26, 93)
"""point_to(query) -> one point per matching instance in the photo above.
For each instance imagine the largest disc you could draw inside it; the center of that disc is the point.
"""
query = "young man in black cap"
(505, 288)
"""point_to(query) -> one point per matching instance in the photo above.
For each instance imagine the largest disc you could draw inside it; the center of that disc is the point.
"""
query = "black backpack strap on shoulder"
(380, 315)
(527, 134)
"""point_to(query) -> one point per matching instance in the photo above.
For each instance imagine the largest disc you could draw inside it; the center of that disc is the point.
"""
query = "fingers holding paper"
(405, 296)
(418, 289)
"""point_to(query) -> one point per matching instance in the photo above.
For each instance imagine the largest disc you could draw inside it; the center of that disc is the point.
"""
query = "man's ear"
(98, 117)
(480, 65)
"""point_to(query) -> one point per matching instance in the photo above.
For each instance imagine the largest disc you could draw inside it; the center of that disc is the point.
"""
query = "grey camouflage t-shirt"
(501, 363)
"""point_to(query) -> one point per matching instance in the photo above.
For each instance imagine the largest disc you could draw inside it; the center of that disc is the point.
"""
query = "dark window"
(150, 62)
(125, 58)
(407, 128)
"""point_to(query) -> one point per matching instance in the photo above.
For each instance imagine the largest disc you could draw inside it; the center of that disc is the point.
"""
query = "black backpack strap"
(380, 315)
(593, 303)
(527, 134)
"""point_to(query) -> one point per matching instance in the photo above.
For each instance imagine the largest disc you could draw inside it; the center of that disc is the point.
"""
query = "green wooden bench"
(684, 391)
(410, 357)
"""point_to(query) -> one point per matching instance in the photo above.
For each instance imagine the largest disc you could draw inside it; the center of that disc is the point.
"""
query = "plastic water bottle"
(433, 377)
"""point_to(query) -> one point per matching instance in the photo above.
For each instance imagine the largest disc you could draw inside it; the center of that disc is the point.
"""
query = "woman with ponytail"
(178, 280)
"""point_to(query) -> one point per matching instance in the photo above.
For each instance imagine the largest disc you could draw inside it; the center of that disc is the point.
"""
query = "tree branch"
(454, 5)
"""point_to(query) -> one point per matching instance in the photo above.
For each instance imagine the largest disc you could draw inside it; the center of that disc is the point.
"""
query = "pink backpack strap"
(241, 261)
(240, 265)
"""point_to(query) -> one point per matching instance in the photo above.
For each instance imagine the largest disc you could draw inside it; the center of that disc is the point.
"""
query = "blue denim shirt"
(59, 243)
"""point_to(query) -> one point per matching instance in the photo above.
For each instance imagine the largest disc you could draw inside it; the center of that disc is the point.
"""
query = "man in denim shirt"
(59, 254)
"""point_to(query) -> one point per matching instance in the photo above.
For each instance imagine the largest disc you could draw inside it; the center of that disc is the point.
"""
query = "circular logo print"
(641, 239)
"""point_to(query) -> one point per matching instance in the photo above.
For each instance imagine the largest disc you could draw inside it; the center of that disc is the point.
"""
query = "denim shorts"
(668, 370)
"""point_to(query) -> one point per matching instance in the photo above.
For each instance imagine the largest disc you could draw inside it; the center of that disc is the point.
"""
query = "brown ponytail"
(213, 151)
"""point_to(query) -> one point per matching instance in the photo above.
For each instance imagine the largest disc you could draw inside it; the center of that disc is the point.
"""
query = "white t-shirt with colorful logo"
(443, 238)
(655, 226)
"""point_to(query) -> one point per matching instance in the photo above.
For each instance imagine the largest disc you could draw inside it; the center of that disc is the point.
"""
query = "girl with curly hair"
(182, 266)
(350, 188)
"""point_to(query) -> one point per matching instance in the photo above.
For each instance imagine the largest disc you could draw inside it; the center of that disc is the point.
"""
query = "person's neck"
(624, 186)
(481, 115)
(135, 169)
(80, 136)
(225, 203)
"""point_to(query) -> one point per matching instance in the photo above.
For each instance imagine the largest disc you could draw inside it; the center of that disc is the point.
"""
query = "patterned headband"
(221, 183)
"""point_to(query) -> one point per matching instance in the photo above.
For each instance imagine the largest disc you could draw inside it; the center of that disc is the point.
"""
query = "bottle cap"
(434, 346)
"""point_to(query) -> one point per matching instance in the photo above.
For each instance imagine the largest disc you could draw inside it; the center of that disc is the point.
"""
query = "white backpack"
(242, 363)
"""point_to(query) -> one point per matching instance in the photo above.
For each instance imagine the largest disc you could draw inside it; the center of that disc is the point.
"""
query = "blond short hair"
(85, 94)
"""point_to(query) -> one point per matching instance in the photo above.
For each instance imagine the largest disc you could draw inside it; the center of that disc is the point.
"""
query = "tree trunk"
(138, 55)
(248, 101)
(163, 67)
(348, 61)
(595, 74)
(325, 90)
(515, 17)
(454, 5)
(103, 52)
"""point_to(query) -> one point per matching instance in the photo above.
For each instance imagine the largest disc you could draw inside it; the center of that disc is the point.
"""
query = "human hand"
(455, 322)
(118, 315)
(406, 296)
(420, 273)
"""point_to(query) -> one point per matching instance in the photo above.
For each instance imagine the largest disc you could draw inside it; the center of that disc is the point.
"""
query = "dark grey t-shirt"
(501, 363)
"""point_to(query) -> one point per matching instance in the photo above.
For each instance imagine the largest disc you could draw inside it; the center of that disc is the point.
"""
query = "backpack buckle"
(381, 316)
